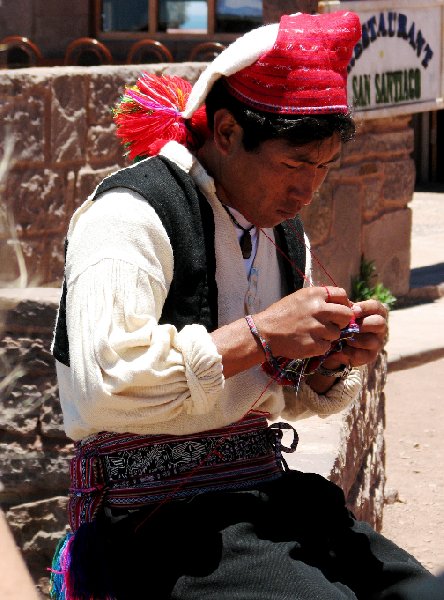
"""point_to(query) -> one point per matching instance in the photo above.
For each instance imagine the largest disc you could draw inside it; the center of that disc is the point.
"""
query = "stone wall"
(34, 451)
(60, 122)
(64, 143)
(362, 206)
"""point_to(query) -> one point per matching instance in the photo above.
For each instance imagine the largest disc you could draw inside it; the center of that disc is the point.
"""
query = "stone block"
(104, 147)
(69, 118)
(56, 260)
(348, 448)
(28, 310)
(21, 408)
(88, 179)
(32, 409)
(340, 255)
(372, 197)
(187, 70)
(36, 198)
(51, 417)
(383, 125)
(28, 474)
(346, 197)
(37, 528)
(382, 145)
(318, 216)
(366, 497)
(10, 253)
(107, 84)
(399, 183)
(37, 253)
(386, 241)
(359, 468)
(29, 403)
(361, 426)
(105, 90)
(23, 117)
(30, 353)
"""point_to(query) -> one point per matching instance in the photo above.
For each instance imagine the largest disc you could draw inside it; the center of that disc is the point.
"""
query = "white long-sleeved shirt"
(128, 373)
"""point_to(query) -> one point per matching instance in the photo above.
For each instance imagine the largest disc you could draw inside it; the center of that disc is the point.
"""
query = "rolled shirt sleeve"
(306, 402)
(127, 371)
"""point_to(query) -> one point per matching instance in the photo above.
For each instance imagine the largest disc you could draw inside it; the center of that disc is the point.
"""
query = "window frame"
(162, 36)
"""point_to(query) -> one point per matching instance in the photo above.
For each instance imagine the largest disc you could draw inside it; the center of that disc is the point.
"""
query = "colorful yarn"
(59, 569)
(80, 568)
(290, 371)
(149, 115)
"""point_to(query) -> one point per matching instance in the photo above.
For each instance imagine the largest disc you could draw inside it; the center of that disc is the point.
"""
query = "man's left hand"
(371, 316)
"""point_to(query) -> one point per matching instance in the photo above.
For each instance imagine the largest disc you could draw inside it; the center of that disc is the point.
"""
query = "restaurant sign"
(398, 58)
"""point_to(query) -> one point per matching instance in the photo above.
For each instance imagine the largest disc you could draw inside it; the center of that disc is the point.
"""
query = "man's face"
(272, 183)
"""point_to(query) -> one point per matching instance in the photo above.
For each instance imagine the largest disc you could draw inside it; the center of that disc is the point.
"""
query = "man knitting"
(189, 321)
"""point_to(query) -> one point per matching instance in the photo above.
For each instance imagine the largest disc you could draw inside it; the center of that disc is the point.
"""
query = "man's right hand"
(306, 322)
(300, 325)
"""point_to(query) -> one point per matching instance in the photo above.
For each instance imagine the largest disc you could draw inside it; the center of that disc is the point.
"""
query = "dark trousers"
(291, 539)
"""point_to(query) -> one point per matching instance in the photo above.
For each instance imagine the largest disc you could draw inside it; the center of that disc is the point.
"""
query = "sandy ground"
(415, 419)
(414, 462)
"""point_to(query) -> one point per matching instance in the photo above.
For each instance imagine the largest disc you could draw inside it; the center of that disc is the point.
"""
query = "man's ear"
(227, 132)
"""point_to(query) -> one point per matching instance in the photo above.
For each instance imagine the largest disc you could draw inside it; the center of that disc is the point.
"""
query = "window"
(131, 15)
(183, 15)
(201, 17)
(238, 16)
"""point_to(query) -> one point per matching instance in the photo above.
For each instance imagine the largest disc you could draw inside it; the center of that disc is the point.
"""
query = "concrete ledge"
(420, 295)
(407, 361)
(416, 335)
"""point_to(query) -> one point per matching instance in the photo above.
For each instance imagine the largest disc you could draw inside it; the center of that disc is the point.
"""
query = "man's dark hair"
(260, 126)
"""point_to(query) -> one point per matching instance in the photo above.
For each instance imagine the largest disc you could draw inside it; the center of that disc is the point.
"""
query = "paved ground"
(415, 397)
(415, 457)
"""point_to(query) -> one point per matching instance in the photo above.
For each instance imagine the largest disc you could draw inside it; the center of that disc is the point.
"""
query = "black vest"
(188, 220)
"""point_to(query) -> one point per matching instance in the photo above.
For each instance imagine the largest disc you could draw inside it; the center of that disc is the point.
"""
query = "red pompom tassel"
(149, 115)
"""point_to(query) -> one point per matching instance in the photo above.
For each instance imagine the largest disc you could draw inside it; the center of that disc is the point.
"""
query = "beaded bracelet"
(263, 342)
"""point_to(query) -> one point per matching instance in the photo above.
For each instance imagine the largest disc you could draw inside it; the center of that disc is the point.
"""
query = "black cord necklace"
(245, 240)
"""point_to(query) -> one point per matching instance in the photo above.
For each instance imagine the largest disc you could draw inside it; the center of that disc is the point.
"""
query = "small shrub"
(364, 286)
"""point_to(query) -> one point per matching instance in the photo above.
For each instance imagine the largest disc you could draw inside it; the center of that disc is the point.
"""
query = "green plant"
(364, 286)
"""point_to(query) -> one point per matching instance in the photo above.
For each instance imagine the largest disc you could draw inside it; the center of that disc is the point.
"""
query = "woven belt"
(130, 471)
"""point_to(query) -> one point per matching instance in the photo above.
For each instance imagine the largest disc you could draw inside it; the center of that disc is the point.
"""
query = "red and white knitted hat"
(298, 66)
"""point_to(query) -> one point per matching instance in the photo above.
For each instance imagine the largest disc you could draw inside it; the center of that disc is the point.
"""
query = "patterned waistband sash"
(130, 471)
